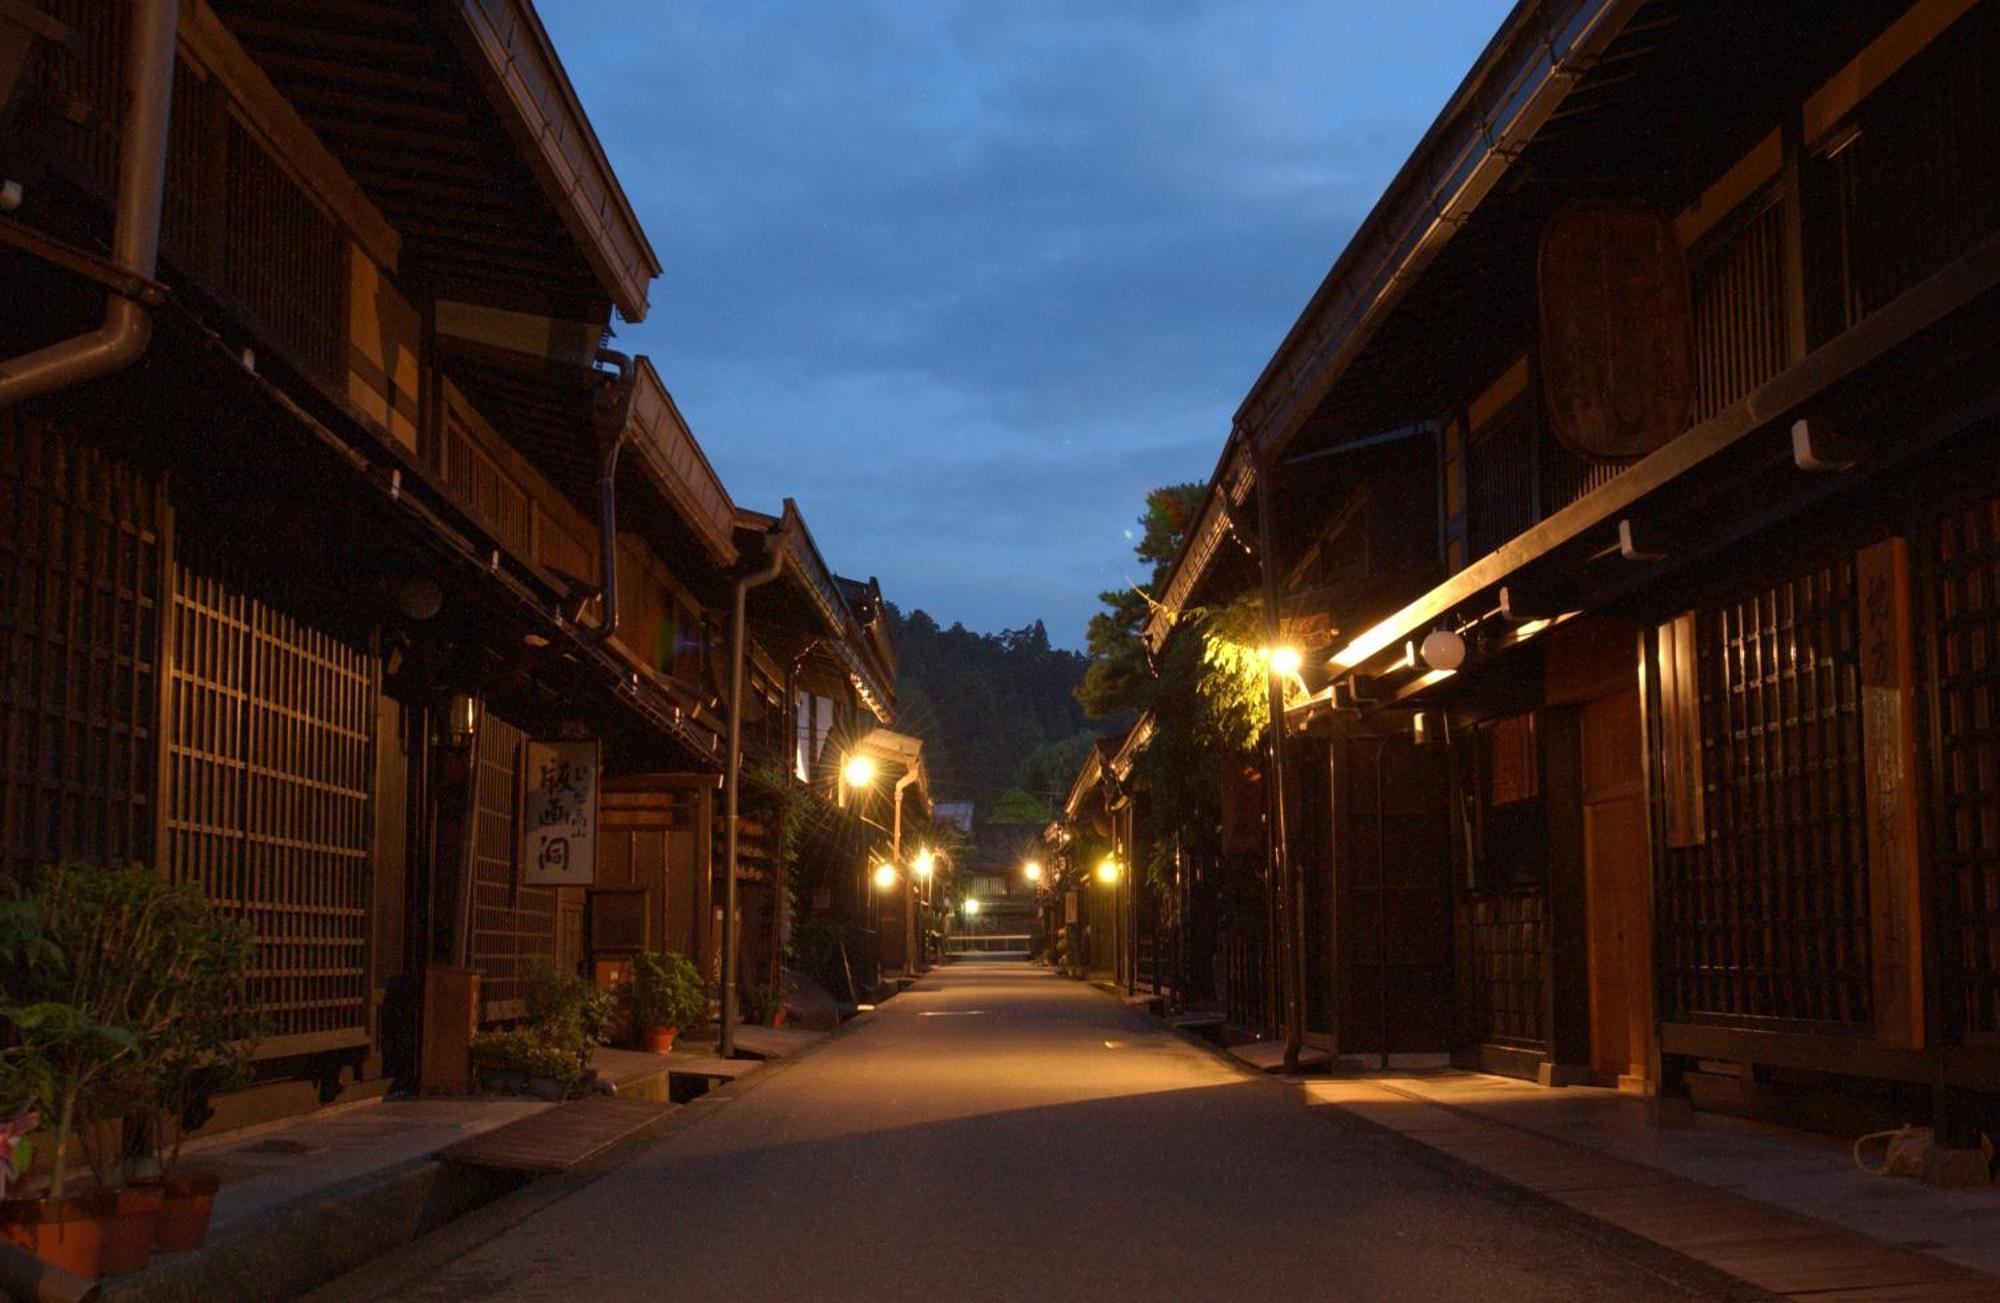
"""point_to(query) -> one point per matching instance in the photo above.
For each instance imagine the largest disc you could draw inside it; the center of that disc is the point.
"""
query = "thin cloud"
(967, 278)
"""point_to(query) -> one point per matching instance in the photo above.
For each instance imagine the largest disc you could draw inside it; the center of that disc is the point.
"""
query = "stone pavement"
(997, 1132)
(1786, 1211)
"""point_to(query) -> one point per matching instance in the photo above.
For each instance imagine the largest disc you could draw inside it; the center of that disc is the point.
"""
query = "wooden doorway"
(1617, 891)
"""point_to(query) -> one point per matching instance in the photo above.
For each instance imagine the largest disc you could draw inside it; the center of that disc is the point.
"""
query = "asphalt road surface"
(1001, 1133)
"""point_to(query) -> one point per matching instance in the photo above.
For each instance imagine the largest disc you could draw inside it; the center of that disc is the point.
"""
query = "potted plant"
(666, 997)
(770, 1004)
(76, 948)
(203, 1052)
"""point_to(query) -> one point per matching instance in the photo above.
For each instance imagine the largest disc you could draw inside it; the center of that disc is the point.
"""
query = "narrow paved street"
(998, 1132)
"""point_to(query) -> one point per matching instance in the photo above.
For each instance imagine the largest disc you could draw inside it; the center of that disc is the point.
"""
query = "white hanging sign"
(559, 819)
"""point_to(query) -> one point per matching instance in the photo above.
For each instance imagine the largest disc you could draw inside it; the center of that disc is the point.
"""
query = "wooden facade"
(287, 607)
(1700, 805)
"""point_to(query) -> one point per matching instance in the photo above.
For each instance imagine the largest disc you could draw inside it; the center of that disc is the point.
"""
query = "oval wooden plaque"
(1617, 353)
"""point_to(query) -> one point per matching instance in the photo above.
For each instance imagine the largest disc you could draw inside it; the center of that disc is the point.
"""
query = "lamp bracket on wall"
(1816, 448)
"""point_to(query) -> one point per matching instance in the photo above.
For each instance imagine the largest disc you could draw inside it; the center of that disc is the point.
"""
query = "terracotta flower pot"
(128, 1237)
(184, 1213)
(659, 1040)
(67, 1233)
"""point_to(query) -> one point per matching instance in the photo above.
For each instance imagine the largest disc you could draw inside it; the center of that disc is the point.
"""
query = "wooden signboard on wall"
(1617, 329)
(1888, 739)
(559, 842)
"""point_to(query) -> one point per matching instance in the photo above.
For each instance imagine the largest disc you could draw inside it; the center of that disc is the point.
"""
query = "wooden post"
(1888, 738)
(451, 1016)
(1566, 961)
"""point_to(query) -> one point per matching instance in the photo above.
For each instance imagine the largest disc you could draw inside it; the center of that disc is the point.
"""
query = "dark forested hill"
(997, 711)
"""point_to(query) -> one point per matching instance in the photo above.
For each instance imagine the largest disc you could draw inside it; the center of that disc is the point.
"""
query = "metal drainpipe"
(909, 878)
(775, 561)
(135, 240)
(610, 407)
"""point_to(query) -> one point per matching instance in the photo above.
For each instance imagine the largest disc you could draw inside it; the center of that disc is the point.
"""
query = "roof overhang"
(1222, 507)
(525, 81)
(1738, 472)
(1516, 85)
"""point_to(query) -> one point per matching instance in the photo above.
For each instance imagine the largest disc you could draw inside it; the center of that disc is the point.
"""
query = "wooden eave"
(660, 436)
(1435, 295)
(525, 76)
(457, 123)
(1222, 507)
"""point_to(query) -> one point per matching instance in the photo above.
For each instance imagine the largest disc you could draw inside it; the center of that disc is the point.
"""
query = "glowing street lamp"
(859, 771)
(1032, 870)
(971, 908)
(1107, 870)
(886, 877)
(1285, 661)
(925, 863)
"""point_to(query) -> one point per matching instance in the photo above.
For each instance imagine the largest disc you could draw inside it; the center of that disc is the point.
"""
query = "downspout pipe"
(135, 239)
(610, 408)
(774, 562)
(909, 879)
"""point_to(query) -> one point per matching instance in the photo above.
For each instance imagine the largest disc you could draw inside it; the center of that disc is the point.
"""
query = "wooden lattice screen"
(1965, 611)
(1740, 322)
(1766, 918)
(271, 742)
(1508, 932)
(79, 629)
(514, 926)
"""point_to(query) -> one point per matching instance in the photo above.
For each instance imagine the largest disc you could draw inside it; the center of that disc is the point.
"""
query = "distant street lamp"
(1107, 870)
(1032, 870)
(925, 863)
(971, 909)
(886, 877)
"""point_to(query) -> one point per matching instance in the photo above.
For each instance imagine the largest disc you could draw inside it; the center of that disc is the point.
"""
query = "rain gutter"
(135, 240)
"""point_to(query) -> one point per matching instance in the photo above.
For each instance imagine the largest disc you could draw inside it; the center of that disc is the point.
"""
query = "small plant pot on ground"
(660, 1040)
(128, 1236)
(67, 1233)
(187, 1204)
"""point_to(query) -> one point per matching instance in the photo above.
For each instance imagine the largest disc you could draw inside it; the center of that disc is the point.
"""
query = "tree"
(1118, 676)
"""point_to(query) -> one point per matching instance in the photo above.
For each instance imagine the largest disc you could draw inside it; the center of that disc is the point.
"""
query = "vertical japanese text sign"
(559, 846)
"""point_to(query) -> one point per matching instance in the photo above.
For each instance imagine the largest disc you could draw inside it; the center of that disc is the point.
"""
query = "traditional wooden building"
(1663, 709)
(335, 540)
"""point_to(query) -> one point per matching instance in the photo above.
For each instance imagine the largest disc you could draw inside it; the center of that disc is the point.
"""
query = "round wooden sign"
(1617, 332)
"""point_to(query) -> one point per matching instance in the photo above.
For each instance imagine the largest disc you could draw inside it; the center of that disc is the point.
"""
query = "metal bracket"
(1822, 450)
(1637, 543)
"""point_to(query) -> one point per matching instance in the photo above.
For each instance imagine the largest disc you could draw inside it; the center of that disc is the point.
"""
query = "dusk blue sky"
(967, 277)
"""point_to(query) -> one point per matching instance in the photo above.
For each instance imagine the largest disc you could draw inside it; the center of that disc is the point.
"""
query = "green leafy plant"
(206, 1048)
(92, 971)
(524, 1051)
(569, 1013)
(666, 990)
(816, 950)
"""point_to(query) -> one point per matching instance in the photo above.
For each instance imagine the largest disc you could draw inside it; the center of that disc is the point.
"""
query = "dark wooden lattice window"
(1738, 288)
(1914, 180)
(271, 742)
(1508, 932)
(1766, 918)
(79, 632)
(1965, 601)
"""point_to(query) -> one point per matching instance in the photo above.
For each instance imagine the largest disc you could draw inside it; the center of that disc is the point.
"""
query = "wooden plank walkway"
(559, 1138)
(1783, 1252)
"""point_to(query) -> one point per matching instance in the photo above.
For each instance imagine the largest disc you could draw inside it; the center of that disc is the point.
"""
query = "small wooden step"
(559, 1138)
